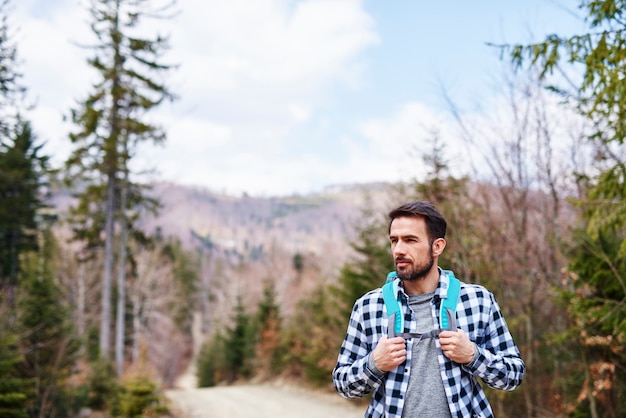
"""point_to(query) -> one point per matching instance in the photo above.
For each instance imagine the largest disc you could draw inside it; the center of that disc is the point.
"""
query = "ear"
(438, 246)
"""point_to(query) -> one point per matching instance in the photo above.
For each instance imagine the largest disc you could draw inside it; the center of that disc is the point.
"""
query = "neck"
(426, 285)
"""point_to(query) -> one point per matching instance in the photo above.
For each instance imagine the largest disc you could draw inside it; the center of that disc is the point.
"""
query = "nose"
(398, 249)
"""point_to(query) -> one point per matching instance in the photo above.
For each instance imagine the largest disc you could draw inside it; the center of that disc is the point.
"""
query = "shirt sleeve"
(352, 376)
(497, 362)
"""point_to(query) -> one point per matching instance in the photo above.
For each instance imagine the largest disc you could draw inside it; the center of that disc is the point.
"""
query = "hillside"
(295, 241)
(239, 223)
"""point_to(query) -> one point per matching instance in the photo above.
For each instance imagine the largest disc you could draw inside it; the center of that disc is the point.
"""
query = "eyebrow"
(403, 236)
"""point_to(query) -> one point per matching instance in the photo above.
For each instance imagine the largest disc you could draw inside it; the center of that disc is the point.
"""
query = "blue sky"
(280, 96)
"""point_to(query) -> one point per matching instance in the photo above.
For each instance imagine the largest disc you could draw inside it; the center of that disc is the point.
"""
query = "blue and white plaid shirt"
(497, 362)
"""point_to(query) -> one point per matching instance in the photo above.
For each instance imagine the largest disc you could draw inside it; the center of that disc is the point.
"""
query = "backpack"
(447, 313)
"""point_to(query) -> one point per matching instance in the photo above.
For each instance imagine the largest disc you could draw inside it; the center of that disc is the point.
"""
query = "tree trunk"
(82, 295)
(105, 314)
(136, 326)
(121, 285)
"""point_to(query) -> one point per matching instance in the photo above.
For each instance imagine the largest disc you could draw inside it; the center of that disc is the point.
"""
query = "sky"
(281, 97)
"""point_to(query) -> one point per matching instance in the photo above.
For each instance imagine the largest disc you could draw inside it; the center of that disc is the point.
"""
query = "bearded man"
(426, 371)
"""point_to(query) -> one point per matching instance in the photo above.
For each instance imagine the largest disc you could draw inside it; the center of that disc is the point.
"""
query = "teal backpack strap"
(390, 295)
(447, 314)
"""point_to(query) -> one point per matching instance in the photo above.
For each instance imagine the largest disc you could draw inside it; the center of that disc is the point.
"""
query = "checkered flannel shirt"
(497, 361)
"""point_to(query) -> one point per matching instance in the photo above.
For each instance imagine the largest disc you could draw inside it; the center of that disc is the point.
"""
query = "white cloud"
(250, 73)
(275, 42)
(395, 144)
(299, 113)
(195, 135)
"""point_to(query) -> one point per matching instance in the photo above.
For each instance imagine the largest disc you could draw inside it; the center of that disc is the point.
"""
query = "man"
(426, 372)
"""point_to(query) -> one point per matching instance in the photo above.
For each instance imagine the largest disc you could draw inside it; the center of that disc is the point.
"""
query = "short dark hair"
(435, 222)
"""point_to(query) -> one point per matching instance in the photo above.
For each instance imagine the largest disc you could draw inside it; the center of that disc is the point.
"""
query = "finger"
(447, 334)
(462, 334)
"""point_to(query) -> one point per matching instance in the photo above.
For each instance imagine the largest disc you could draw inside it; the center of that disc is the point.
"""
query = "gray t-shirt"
(425, 395)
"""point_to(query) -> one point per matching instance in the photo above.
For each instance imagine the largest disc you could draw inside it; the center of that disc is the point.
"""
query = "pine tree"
(594, 301)
(314, 335)
(269, 325)
(15, 391)
(239, 343)
(111, 123)
(22, 169)
(47, 338)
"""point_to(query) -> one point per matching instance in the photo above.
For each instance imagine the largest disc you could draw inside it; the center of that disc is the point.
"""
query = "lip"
(401, 263)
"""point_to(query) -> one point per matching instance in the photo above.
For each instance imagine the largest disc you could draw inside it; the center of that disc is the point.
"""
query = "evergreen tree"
(269, 325)
(14, 390)
(229, 354)
(111, 124)
(22, 169)
(140, 397)
(211, 362)
(47, 339)
(314, 335)
(185, 270)
(595, 306)
(239, 344)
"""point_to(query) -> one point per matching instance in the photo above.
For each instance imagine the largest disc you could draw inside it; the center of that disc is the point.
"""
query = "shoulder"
(374, 296)
(475, 290)
(478, 297)
(369, 303)
(368, 312)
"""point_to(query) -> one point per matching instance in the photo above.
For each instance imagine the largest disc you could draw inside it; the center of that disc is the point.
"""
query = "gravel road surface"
(261, 401)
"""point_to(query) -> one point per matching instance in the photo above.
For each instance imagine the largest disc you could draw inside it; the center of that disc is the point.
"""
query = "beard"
(417, 271)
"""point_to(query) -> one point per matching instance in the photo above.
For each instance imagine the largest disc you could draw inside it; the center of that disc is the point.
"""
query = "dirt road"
(261, 401)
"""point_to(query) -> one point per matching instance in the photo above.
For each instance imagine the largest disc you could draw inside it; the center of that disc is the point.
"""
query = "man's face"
(411, 248)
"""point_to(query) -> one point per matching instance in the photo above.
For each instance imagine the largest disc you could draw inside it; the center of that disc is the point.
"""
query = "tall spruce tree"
(239, 343)
(22, 169)
(111, 124)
